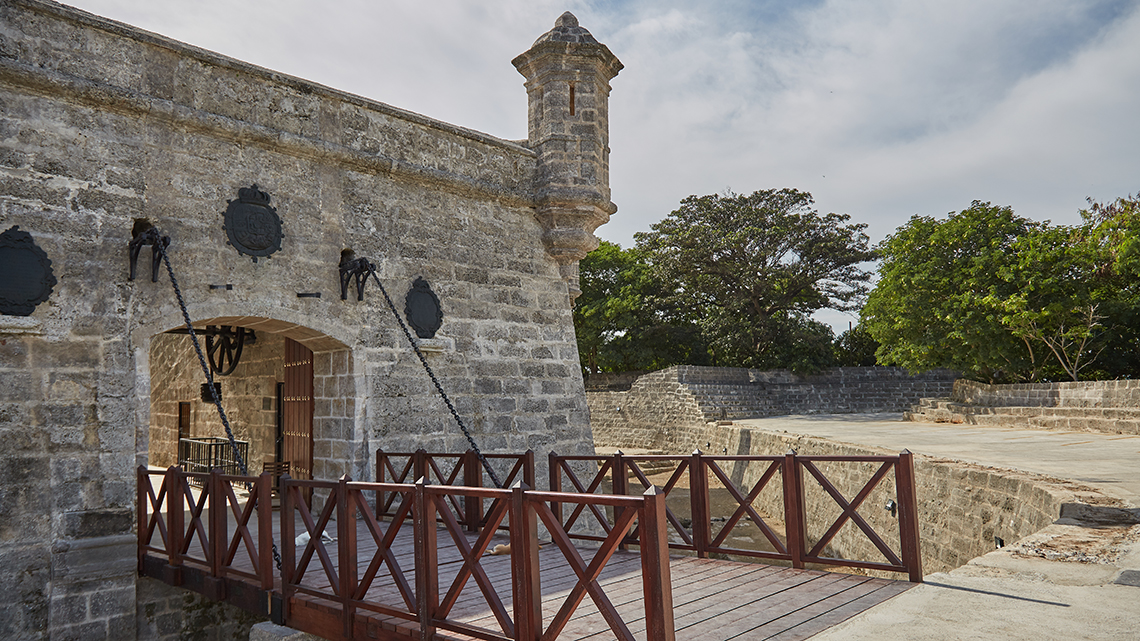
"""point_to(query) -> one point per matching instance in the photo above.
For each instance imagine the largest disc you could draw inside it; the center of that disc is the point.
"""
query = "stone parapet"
(660, 407)
(1083, 394)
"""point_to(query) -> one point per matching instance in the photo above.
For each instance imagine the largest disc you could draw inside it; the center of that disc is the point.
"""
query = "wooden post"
(472, 477)
(381, 474)
(142, 505)
(553, 467)
(265, 529)
(420, 466)
(427, 568)
(908, 516)
(699, 504)
(175, 526)
(528, 468)
(620, 486)
(524, 566)
(216, 526)
(656, 583)
(288, 544)
(346, 553)
(794, 517)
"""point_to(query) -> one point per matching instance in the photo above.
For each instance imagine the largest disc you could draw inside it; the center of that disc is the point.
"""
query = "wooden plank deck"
(713, 599)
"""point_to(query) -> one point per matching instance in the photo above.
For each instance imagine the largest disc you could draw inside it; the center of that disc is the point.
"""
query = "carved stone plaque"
(252, 226)
(421, 307)
(27, 277)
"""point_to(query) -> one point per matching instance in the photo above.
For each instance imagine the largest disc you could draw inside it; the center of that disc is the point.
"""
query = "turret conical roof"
(566, 29)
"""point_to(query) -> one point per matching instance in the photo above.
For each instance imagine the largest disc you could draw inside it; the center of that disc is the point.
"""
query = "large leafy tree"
(933, 304)
(1078, 297)
(622, 319)
(1002, 298)
(752, 268)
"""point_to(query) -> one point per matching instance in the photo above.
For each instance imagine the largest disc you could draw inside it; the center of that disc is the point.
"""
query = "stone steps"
(1109, 420)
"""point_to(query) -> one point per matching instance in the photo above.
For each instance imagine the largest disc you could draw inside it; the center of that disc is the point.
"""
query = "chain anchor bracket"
(146, 234)
(355, 270)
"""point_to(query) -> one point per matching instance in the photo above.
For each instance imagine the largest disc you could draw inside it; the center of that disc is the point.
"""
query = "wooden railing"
(194, 545)
(185, 541)
(699, 469)
(462, 470)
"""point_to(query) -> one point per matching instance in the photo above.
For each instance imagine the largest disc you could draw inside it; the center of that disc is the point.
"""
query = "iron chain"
(435, 381)
(209, 376)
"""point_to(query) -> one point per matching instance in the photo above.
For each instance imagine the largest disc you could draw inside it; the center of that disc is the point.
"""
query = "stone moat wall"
(665, 409)
(1077, 394)
(962, 506)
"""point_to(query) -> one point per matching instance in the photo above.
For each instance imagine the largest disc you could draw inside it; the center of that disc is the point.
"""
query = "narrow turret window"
(571, 99)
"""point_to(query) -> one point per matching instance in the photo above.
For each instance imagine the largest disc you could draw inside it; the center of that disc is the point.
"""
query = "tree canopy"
(622, 320)
(725, 279)
(1002, 298)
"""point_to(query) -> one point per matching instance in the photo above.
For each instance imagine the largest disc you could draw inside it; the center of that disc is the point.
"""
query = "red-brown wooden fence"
(700, 468)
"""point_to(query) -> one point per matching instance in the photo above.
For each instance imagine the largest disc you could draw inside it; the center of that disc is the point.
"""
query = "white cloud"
(880, 108)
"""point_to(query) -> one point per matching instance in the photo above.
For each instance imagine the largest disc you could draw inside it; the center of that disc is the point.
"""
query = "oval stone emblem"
(421, 307)
(252, 226)
(28, 279)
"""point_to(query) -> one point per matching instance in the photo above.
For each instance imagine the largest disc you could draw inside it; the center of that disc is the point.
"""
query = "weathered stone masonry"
(1095, 406)
(103, 125)
(666, 409)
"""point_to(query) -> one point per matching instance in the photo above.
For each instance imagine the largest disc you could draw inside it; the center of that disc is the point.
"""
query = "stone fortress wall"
(661, 409)
(1112, 407)
(104, 127)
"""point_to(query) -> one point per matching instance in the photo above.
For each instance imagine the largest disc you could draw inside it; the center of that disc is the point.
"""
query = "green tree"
(1116, 232)
(621, 318)
(1002, 298)
(933, 305)
(855, 348)
(1061, 288)
(1077, 296)
(752, 268)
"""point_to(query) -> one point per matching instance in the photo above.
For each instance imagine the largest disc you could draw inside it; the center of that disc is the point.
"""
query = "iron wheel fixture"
(224, 345)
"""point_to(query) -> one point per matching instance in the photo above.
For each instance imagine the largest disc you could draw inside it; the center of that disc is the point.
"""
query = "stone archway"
(253, 396)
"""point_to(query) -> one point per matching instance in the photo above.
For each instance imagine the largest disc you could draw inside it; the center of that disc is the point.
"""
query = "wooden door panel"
(297, 445)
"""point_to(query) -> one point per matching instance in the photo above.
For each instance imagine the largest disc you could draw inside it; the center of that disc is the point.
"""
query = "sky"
(882, 109)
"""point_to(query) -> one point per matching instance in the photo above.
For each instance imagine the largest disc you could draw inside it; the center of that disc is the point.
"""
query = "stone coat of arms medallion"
(252, 226)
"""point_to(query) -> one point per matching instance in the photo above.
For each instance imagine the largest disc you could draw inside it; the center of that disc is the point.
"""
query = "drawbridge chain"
(435, 381)
(159, 244)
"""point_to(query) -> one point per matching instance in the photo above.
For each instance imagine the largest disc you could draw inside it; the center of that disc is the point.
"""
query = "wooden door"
(297, 412)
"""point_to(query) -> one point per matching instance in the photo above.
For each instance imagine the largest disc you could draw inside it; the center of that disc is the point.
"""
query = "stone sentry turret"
(568, 76)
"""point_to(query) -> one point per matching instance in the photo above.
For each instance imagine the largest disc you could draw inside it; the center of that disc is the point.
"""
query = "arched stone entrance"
(292, 397)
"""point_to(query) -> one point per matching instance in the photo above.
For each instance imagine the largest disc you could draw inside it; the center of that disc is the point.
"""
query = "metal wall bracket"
(147, 236)
(356, 270)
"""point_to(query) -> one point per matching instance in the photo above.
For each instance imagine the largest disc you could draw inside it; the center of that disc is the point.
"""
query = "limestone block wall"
(1082, 394)
(662, 409)
(658, 411)
(961, 506)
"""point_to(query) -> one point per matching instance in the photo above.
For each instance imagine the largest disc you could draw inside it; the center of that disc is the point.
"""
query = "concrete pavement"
(1091, 588)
